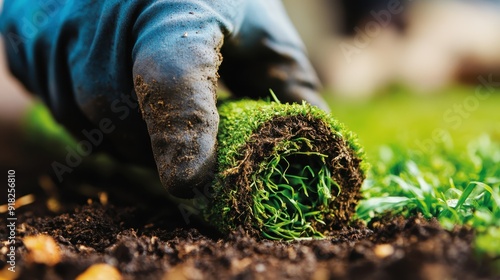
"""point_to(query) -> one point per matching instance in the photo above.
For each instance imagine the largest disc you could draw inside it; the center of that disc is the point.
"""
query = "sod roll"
(285, 171)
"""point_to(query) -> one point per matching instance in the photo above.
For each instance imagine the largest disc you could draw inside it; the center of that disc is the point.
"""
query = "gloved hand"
(138, 78)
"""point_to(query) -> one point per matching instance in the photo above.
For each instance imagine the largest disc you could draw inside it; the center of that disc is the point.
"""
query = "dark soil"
(149, 239)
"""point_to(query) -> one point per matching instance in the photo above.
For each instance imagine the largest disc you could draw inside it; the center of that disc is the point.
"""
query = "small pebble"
(103, 198)
(260, 268)
(383, 250)
(100, 271)
(42, 249)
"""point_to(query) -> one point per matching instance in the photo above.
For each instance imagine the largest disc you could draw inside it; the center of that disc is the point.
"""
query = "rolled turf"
(285, 171)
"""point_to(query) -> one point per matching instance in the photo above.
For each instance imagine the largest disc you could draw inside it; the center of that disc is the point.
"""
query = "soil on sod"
(150, 239)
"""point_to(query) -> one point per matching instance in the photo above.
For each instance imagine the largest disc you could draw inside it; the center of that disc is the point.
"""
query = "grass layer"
(285, 171)
(456, 187)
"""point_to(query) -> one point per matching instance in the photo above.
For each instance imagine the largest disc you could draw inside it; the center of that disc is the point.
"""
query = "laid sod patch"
(456, 187)
(286, 171)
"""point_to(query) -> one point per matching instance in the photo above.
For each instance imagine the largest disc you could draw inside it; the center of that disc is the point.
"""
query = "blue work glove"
(138, 78)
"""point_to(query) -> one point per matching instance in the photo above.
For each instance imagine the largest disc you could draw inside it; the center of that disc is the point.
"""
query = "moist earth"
(147, 238)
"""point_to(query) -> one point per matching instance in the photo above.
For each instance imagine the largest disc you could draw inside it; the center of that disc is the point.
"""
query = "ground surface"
(154, 242)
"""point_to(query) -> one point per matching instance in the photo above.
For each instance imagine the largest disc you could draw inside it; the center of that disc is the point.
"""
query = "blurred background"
(422, 73)
(359, 47)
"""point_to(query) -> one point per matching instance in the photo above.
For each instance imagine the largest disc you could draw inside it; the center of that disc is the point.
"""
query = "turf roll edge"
(285, 171)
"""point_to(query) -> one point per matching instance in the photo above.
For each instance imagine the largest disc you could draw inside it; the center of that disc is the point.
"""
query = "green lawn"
(400, 117)
(438, 155)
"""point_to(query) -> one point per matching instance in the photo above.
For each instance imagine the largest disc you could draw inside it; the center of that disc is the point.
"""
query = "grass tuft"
(292, 193)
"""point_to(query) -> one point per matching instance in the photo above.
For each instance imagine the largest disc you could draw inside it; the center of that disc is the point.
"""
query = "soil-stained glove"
(138, 78)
